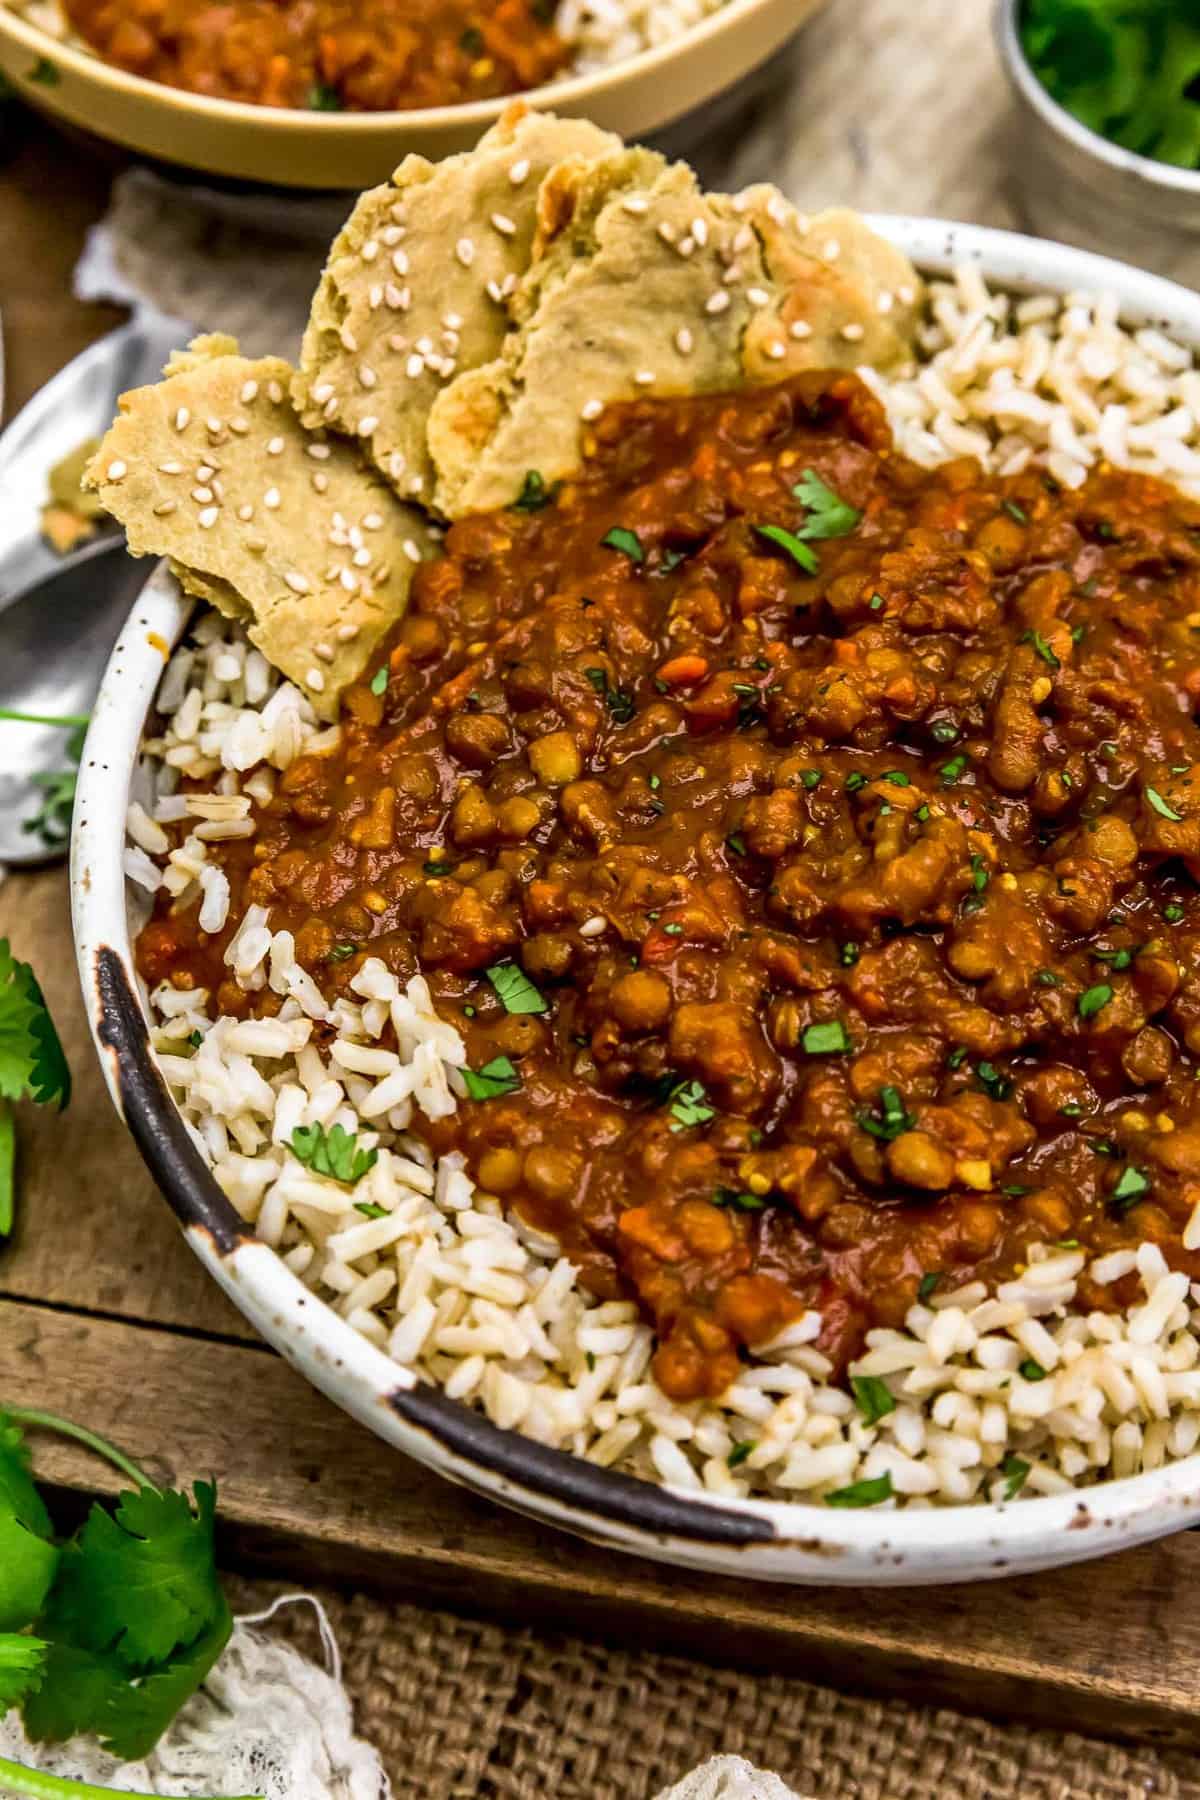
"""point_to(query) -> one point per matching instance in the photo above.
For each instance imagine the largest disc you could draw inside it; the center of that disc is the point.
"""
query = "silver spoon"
(55, 638)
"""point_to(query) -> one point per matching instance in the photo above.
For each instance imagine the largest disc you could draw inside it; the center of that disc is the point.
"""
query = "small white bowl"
(763, 1539)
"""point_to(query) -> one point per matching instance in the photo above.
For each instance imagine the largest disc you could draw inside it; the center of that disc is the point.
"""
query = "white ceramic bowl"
(766, 1540)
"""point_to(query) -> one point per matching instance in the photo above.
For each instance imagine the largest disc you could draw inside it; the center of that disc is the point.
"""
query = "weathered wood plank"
(92, 1229)
(1112, 1648)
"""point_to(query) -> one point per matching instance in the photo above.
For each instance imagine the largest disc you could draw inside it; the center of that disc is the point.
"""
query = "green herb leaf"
(811, 778)
(334, 1152)
(739, 1453)
(22, 1670)
(829, 516)
(862, 1493)
(628, 542)
(689, 1105)
(494, 1079)
(950, 771)
(379, 680)
(1093, 999)
(32, 1063)
(739, 1199)
(1031, 1370)
(619, 701)
(1014, 1470)
(342, 952)
(369, 1210)
(1132, 1185)
(1016, 512)
(1173, 914)
(889, 1120)
(1042, 647)
(322, 98)
(829, 1038)
(997, 1085)
(516, 992)
(872, 1397)
(799, 552)
(1160, 806)
(848, 955)
(927, 1285)
(535, 494)
(45, 73)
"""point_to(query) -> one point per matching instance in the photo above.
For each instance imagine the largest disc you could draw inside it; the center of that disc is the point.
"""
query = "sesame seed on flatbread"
(277, 525)
(417, 284)
(641, 284)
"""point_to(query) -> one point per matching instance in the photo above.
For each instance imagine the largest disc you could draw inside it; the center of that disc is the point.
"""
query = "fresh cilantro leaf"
(141, 1582)
(138, 1714)
(334, 1152)
(79, 1690)
(927, 1286)
(1160, 805)
(369, 1210)
(862, 1493)
(28, 1566)
(689, 1105)
(1042, 647)
(535, 493)
(379, 680)
(872, 1397)
(1093, 1000)
(1132, 1185)
(8, 1168)
(889, 1120)
(1016, 512)
(827, 1039)
(628, 542)
(1014, 1470)
(829, 516)
(1031, 1370)
(739, 1453)
(787, 540)
(22, 1667)
(322, 98)
(18, 1492)
(342, 953)
(516, 992)
(619, 701)
(492, 1080)
(31, 1057)
(739, 1200)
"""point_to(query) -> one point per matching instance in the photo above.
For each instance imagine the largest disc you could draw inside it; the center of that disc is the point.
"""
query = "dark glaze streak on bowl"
(595, 1492)
(152, 1116)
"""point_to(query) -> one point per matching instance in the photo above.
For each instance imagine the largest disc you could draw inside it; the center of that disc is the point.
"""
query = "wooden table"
(105, 1316)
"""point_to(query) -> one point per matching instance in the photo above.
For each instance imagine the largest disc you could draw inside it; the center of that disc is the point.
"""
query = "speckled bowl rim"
(572, 95)
(790, 1541)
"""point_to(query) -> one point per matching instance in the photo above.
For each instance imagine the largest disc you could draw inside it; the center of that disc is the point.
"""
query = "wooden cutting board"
(106, 1316)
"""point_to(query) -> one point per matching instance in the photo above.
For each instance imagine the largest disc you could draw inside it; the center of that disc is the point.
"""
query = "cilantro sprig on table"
(52, 821)
(111, 1630)
(32, 1064)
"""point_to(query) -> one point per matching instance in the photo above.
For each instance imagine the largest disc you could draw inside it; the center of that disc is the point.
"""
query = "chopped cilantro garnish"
(1093, 999)
(323, 98)
(1173, 913)
(341, 952)
(979, 873)
(737, 843)
(927, 1285)
(627, 542)
(738, 1198)
(828, 515)
(1116, 959)
(436, 869)
(848, 954)
(619, 701)
(1132, 1185)
(516, 992)
(990, 1078)
(379, 680)
(739, 1453)
(826, 1039)
(535, 494)
(369, 1210)
(1047, 978)
(195, 1039)
(494, 1079)
(897, 777)
(334, 1152)
(45, 72)
(950, 771)
(1016, 512)
(862, 1493)
(943, 732)
(799, 552)
(1014, 1470)
(811, 778)
(876, 603)
(1042, 647)
(689, 1105)
(872, 1397)
(957, 1057)
(1160, 806)
(889, 1120)
(854, 781)
(1031, 1370)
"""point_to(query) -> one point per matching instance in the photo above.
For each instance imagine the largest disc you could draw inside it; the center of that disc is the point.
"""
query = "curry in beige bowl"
(672, 837)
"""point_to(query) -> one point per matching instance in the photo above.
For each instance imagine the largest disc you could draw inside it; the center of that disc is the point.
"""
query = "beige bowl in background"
(291, 148)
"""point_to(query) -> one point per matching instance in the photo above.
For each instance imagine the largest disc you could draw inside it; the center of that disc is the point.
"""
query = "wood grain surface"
(105, 1315)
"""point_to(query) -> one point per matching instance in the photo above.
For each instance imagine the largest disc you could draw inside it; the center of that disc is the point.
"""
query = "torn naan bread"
(642, 284)
(417, 282)
(273, 524)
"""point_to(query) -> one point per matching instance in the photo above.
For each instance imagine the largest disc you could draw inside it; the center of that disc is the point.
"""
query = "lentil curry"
(330, 55)
(803, 843)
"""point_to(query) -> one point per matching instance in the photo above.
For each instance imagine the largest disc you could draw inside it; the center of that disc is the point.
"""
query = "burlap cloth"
(467, 1710)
